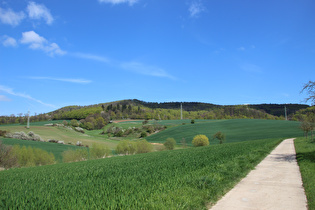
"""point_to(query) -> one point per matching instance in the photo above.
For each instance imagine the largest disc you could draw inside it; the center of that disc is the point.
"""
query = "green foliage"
(126, 147)
(170, 143)
(99, 151)
(7, 158)
(74, 123)
(143, 134)
(305, 153)
(220, 136)
(178, 179)
(56, 149)
(200, 140)
(144, 147)
(192, 121)
(27, 156)
(75, 155)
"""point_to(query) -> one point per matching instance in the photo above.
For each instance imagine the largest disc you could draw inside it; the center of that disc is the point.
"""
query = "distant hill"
(137, 109)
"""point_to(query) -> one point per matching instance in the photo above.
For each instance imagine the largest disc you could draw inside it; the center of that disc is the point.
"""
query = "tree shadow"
(285, 157)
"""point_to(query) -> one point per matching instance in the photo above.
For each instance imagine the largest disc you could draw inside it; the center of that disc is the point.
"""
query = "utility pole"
(181, 111)
(28, 120)
(285, 112)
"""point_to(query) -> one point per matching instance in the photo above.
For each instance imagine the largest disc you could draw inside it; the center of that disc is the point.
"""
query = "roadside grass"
(178, 179)
(56, 149)
(305, 153)
(235, 130)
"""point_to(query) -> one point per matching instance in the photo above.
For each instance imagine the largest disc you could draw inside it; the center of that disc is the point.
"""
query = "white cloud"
(131, 2)
(80, 81)
(195, 8)
(10, 17)
(39, 11)
(92, 57)
(37, 42)
(9, 41)
(4, 98)
(11, 92)
(146, 70)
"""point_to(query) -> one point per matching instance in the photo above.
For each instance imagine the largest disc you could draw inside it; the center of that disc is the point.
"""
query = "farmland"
(235, 130)
(187, 178)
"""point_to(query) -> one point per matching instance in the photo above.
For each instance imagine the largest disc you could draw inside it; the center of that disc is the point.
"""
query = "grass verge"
(305, 154)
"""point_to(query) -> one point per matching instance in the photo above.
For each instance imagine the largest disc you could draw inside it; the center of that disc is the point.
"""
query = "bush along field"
(177, 179)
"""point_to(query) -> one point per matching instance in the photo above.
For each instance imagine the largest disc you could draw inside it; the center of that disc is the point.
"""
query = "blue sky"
(59, 53)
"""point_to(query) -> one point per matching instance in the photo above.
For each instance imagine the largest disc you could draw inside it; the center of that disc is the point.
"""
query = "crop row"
(185, 179)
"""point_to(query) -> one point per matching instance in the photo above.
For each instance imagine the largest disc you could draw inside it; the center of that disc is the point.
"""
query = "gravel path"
(275, 183)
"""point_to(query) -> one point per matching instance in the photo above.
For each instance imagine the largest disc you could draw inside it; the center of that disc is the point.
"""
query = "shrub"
(144, 147)
(192, 121)
(126, 147)
(7, 159)
(74, 123)
(220, 136)
(143, 134)
(200, 140)
(75, 155)
(28, 156)
(3, 133)
(99, 151)
(170, 143)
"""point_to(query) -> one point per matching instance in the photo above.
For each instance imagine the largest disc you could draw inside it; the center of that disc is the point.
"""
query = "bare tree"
(310, 89)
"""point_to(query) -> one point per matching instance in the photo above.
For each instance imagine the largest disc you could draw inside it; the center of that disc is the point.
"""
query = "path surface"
(274, 184)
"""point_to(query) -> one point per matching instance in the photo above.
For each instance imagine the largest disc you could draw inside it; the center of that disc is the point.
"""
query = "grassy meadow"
(192, 178)
(305, 153)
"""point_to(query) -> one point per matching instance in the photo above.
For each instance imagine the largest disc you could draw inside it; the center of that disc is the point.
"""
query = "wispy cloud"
(39, 11)
(8, 16)
(71, 80)
(8, 41)
(143, 69)
(195, 8)
(241, 48)
(4, 98)
(252, 68)
(92, 57)
(131, 2)
(11, 92)
(37, 42)
(135, 67)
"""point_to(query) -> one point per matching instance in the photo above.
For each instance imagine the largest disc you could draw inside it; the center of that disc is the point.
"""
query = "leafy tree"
(306, 127)
(200, 140)
(220, 136)
(170, 143)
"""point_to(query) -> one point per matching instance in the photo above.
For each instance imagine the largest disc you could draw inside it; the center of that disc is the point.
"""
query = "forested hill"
(136, 109)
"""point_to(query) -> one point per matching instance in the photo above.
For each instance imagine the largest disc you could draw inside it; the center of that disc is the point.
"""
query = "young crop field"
(181, 179)
(234, 130)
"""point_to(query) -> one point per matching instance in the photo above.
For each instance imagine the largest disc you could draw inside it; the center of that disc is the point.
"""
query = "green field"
(56, 149)
(180, 179)
(305, 153)
(234, 130)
